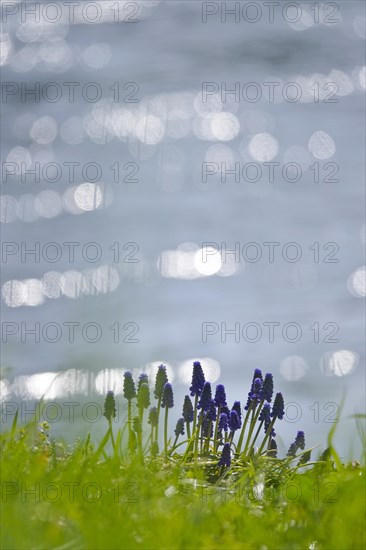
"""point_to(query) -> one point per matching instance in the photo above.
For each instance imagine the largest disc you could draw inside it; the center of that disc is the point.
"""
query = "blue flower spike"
(198, 379)
(225, 459)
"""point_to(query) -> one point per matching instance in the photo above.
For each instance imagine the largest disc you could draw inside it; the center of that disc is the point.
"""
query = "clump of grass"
(215, 434)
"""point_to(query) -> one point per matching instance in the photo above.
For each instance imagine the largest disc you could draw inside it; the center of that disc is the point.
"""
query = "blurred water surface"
(159, 290)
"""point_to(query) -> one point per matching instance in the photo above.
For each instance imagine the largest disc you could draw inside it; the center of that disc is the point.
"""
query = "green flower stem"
(194, 418)
(268, 432)
(157, 420)
(189, 445)
(256, 412)
(188, 430)
(241, 437)
(195, 413)
(208, 438)
(175, 442)
(129, 421)
(199, 425)
(141, 417)
(166, 432)
(111, 431)
(255, 437)
(152, 440)
(217, 427)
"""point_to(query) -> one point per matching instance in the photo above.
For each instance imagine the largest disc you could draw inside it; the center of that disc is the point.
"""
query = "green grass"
(91, 497)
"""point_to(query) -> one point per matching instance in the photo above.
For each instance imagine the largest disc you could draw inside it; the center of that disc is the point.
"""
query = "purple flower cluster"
(129, 390)
(187, 409)
(167, 398)
(225, 459)
(206, 397)
(208, 416)
(220, 396)
(299, 443)
(198, 379)
(278, 409)
(160, 381)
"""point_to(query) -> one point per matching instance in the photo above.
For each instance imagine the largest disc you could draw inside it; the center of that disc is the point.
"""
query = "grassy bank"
(126, 492)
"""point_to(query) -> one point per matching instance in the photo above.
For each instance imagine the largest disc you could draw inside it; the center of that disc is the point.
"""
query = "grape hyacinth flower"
(206, 397)
(300, 440)
(257, 389)
(179, 428)
(153, 420)
(223, 423)
(187, 414)
(237, 408)
(265, 417)
(255, 393)
(250, 406)
(160, 381)
(153, 417)
(109, 406)
(278, 409)
(299, 443)
(143, 379)
(187, 409)
(143, 396)
(257, 374)
(220, 396)
(196, 388)
(266, 391)
(211, 413)
(261, 390)
(167, 402)
(207, 428)
(129, 390)
(225, 459)
(198, 379)
(110, 412)
(234, 422)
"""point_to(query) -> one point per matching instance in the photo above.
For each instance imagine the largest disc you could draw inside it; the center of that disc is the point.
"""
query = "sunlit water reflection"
(170, 210)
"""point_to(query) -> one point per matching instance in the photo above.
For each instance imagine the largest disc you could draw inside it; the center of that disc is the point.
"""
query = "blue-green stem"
(268, 433)
(255, 437)
(129, 421)
(194, 419)
(198, 429)
(217, 427)
(157, 421)
(256, 411)
(111, 431)
(166, 432)
(241, 437)
(188, 430)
